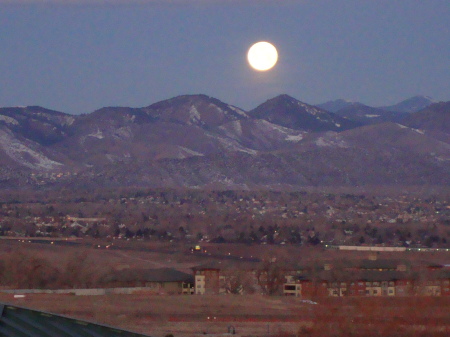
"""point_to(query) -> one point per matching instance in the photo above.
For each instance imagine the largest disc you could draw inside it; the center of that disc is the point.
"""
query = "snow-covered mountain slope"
(200, 110)
(197, 141)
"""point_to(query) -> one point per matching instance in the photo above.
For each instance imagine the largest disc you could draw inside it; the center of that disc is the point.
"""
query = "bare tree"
(271, 275)
(81, 271)
(236, 281)
(23, 270)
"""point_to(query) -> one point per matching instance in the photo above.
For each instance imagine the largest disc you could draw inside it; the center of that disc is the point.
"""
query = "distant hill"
(409, 105)
(200, 110)
(435, 117)
(365, 114)
(41, 125)
(335, 105)
(197, 141)
(291, 113)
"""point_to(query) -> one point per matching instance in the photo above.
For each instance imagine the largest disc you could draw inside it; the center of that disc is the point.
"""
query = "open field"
(147, 254)
(253, 315)
(250, 315)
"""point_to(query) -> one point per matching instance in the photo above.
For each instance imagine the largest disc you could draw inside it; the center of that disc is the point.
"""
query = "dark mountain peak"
(39, 109)
(284, 99)
(410, 105)
(355, 107)
(181, 100)
(420, 98)
(200, 110)
(292, 113)
(32, 111)
(287, 104)
(336, 104)
(352, 106)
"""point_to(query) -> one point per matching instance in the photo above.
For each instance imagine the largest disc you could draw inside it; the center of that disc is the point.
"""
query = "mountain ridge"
(197, 141)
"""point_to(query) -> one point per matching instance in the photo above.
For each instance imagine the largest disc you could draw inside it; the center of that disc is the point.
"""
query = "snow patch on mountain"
(422, 132)
(238, 111)
(63, 120)
(371, 116)
(8, 120)
(69, 120)
(231, 145)
(23, 154)
(190, 152)
(287, 134)
(123, 133)
(310, 109)
(232, 129)
(268, 126)
(331, 140)
(98, 134)
(218, 109)
(297, 138)
(194, 114)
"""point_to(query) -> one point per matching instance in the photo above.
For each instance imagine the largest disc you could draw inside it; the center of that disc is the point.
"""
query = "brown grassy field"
(250, 315)
(147, 254)
(253, 315)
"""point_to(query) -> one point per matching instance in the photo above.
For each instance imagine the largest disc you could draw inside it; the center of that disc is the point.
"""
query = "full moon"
(262, 56)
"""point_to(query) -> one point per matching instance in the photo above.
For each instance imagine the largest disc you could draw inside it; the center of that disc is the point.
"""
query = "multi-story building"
(355, 279)
(207, 280)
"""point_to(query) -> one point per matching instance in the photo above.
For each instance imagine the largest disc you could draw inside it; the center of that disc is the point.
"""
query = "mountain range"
(197, 141)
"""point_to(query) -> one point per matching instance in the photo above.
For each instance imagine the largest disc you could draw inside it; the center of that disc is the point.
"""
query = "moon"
(262, 56)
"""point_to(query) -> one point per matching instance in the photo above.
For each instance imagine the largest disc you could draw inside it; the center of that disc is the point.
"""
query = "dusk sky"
(78, 56)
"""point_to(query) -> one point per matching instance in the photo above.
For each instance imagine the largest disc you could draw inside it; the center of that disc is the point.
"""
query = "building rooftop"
(151, 275)
(17, 321)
